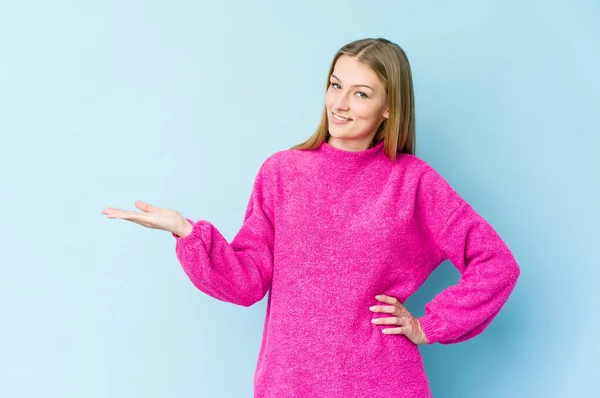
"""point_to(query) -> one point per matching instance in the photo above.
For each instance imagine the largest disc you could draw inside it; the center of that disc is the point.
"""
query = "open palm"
(152, 217)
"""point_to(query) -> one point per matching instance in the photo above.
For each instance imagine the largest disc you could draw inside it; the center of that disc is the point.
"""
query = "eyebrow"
(355, 85)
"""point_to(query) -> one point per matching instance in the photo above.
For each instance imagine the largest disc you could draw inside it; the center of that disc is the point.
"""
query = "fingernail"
(378, 297)
(371, 308)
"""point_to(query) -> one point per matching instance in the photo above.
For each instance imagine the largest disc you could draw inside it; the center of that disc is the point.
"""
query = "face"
(356, 104)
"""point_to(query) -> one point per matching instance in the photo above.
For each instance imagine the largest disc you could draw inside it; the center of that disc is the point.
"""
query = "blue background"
(178, 103)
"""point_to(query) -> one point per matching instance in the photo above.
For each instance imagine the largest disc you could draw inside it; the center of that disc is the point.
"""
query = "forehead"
(351, 71)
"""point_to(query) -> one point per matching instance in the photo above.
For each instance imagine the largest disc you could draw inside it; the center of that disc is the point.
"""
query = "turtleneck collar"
(344, 155)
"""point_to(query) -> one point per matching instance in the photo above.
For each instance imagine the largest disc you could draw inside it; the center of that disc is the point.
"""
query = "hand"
(153, 217)
(408, 325)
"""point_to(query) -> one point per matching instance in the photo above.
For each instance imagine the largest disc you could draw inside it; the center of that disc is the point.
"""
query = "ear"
(386, 114)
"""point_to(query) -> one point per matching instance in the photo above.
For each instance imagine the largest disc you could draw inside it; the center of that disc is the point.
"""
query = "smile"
(339, 118)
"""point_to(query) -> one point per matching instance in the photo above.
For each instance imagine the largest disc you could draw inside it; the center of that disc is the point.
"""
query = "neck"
(351, 158)
(352, 145)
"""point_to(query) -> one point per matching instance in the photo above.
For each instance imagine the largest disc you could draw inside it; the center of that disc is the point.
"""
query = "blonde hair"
(390, 63)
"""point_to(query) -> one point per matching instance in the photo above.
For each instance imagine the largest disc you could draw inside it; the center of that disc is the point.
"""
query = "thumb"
(145, 206)
(421, 333)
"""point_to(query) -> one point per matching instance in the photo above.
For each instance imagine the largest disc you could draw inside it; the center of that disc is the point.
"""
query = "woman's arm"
(489, 271)
(239, 272)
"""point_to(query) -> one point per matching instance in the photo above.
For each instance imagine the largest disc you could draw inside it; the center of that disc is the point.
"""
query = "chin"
(335, 134)
(336, 131)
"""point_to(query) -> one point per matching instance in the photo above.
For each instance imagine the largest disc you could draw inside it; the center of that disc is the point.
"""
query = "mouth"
(340, 119)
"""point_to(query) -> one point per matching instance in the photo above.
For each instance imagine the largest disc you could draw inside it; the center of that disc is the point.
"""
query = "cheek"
(365, 112)
(329, 99)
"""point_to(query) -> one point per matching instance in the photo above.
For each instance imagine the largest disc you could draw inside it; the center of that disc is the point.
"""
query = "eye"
(362, 95)
(335, 85)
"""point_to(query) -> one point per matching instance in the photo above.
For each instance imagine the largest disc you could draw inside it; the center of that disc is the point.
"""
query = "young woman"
(340, 231)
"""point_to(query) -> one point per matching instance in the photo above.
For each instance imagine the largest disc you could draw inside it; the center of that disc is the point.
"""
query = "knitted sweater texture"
(324, 232)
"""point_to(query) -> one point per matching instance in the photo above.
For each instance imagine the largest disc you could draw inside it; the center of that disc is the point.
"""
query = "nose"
(341, 102)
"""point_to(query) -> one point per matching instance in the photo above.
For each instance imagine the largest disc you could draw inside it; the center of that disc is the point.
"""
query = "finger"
(388, 299)
(128, 215)
(114, 212)
(136, 216)
(398, 330)
(389, 320)
(145, 206)
(388, 309)
(110, 210)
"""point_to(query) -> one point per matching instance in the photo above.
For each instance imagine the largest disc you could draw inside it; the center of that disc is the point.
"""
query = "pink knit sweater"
(325, 231)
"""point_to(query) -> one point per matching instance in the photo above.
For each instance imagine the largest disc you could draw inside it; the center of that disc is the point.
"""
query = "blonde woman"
(339, 231)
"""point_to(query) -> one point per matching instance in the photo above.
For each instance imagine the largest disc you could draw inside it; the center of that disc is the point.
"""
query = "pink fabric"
(324, 232)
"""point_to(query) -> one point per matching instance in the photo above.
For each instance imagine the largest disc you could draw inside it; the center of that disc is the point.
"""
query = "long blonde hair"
(390, 63)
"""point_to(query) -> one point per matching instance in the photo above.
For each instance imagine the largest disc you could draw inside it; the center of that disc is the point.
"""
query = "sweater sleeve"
(239, 272)
(489, 271)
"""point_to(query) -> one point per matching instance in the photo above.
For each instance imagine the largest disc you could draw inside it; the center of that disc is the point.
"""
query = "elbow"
(242, 302)
(514, 272)
(246, 297)
(232, 297)
(247, 301)
(508, 268)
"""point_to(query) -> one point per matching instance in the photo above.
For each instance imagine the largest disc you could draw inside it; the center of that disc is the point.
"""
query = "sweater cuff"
(431, 328)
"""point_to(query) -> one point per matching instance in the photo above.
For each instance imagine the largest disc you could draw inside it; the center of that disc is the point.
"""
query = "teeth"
(341, 119)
